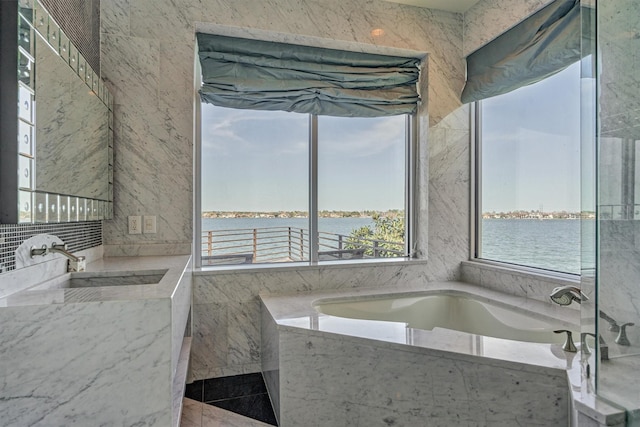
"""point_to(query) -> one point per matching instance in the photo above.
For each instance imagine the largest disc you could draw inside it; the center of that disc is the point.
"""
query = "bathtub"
(454, 311)
(450, 355)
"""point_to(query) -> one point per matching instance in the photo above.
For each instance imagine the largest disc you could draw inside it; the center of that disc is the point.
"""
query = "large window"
(288, 187)
(529, 175)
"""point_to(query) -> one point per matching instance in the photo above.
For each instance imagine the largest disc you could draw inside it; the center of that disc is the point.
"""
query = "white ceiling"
(459, 6)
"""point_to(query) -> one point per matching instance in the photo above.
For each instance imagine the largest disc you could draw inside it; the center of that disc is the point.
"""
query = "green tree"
(387, 232)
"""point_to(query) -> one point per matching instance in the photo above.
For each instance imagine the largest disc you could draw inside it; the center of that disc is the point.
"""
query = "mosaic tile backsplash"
(77, 236)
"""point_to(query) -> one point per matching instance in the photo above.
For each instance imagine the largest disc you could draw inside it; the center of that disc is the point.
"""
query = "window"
(269, 177)
(528, 175)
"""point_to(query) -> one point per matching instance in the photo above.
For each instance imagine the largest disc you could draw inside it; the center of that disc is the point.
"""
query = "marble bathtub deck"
(297, 311)
(198, 414)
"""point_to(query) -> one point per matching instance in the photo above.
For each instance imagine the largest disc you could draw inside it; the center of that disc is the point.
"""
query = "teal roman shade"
(538, 47)
(260, 75)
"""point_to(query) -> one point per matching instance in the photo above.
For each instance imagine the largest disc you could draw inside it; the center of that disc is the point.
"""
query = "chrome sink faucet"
(75, 263)
(62, 249)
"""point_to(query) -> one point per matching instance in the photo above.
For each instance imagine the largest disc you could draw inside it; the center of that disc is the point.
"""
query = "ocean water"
(550, 244)
(333, 225)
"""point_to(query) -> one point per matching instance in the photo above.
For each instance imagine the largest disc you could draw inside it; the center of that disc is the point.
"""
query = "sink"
(115, 278)
(104, 278)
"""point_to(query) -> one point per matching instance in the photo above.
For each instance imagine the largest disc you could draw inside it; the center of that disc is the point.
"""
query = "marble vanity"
(108, 346)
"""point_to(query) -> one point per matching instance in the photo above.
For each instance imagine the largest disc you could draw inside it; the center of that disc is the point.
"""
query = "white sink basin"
(115, 278)
(103, 278)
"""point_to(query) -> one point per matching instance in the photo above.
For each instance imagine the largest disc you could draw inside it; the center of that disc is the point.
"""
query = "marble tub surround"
(329, 371)
(529, 283)
(226, 310)
(298, 311)
(97, 349)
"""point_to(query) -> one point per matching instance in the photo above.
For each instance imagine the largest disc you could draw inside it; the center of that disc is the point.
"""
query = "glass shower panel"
(618, 191)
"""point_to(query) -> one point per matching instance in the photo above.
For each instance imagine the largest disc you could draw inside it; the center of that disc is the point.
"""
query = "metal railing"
(286, 244)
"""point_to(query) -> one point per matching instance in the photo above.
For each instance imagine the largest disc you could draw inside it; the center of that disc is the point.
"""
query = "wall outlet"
(149, 226)
(135, 224)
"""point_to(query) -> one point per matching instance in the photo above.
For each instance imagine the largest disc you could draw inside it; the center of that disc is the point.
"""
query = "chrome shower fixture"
(565, 295)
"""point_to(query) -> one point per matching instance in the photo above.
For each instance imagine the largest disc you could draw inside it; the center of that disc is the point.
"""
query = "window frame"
(410, 197)
(475, 203)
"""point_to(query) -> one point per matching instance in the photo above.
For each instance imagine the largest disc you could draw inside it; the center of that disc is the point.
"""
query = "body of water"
(332, 225)
(552, 244)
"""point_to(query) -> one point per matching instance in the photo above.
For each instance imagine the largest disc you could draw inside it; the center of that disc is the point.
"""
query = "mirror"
(64, 118)
(67, 110)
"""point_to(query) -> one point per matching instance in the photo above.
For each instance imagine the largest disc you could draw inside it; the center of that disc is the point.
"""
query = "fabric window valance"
(538, 47)
(260, 75)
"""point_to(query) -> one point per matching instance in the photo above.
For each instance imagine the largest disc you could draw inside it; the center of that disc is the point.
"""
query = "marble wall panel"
(270, 357)
(210, 344)
(180, 311)
(448, 195)
(355, 383)
(517, 282)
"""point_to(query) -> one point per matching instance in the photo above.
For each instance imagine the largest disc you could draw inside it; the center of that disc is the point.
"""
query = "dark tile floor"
(242, 394)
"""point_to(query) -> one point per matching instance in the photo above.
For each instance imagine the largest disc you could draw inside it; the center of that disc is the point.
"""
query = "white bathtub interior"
(447, 311)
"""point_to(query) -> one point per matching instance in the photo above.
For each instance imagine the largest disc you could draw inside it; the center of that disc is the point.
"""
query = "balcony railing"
(288, 244)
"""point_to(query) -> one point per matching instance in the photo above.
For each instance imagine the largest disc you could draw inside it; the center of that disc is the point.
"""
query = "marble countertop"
(297, 311)
(49, 292)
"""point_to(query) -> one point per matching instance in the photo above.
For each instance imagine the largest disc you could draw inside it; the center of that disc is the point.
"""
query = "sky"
(258, 161)
(531, 147)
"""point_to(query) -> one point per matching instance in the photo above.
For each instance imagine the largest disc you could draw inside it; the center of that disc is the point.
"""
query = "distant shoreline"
(392, 213)
(538, 215)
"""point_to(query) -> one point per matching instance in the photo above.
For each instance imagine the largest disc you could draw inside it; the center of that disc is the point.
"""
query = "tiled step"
(198, 414)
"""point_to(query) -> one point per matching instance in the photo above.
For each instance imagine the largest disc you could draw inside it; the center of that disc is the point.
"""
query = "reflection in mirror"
(60, 169)
(71, 130)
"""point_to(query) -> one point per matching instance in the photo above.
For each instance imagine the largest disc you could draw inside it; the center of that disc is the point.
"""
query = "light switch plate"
(149, 226)
(135, 224)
